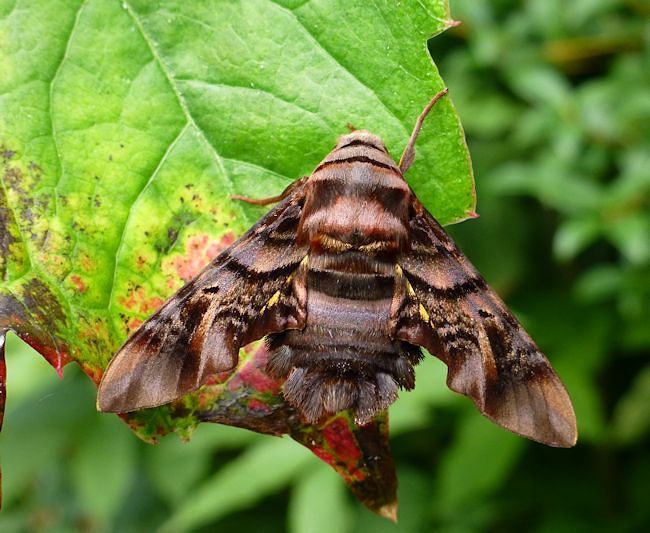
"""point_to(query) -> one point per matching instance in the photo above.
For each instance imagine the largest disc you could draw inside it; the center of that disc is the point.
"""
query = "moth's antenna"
(409, 152)
(273, 199)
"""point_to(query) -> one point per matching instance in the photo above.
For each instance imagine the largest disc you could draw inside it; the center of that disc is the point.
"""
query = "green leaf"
(258, 472)
(126, 126)
(101, 486)
(631, 421)
(174, 466)
(318, 505)
(482, 453)
(40, 426)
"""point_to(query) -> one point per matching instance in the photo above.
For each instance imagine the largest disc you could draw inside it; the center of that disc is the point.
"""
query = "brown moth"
(347, 277)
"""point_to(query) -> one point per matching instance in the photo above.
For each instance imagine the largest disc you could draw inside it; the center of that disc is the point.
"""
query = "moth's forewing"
(449, 309)
(248, 291)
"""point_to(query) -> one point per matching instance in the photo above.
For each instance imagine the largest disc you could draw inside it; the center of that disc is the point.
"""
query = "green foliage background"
(555, 100)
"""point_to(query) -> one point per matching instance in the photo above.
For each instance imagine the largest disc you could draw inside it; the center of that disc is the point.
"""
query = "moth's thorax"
(357, 198)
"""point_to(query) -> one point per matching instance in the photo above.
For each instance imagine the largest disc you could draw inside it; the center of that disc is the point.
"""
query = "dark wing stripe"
(234, 265)
(463, 288)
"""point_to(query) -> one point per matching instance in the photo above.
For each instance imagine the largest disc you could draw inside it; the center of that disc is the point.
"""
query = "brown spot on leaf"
(30, 207)
(6, 154)
(87, 263)
(7, 235)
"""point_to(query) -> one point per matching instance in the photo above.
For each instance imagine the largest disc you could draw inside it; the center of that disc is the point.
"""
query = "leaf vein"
(331, 55)
(258, 90)
(120, 246)
(64, 57)
(53, 133)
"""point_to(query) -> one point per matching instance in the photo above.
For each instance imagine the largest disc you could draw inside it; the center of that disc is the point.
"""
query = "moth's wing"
(447, 308)
(255, 287)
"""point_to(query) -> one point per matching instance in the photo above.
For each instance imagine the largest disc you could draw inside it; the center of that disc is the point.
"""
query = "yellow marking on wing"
(273, 299)
(410, 289)
(424, 314)
(276, 296)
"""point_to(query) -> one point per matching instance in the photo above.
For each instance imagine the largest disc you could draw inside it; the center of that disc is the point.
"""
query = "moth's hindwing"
(251, 289)
(446, 307)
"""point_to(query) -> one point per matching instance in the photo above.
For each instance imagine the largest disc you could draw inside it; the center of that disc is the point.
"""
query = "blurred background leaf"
(555, 100)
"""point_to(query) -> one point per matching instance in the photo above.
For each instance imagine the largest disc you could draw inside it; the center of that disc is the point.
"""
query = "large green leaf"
(126, 126)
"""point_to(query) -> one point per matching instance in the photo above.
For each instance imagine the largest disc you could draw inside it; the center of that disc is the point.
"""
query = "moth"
(347, 277)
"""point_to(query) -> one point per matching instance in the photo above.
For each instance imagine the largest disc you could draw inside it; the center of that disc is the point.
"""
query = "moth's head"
(361, 138)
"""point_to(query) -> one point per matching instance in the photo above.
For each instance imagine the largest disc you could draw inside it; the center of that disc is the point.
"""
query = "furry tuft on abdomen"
(344, 357)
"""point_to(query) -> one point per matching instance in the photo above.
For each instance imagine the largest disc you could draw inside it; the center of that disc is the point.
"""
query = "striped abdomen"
(355, 223)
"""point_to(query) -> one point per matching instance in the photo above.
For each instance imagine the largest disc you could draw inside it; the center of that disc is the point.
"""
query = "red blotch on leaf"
(324, 455)
(258, 405)
(218, 379)
(137, 300)
(250, 375)
(341, 450)
(134, 324)
(78, 283)
(341, 440)
(251, 372)
(200, 250)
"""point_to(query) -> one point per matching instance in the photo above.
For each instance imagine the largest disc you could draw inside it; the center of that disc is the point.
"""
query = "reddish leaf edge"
(3, 390)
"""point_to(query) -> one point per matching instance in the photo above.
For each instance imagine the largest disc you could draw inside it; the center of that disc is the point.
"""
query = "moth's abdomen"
(355, 220)
(344, 358)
